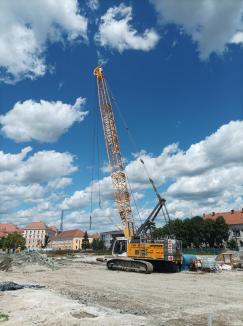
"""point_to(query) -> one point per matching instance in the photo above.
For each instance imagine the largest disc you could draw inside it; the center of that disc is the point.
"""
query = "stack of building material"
(209, 264)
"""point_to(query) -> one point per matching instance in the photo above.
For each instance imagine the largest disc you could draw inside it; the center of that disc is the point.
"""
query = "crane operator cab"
(119, 247)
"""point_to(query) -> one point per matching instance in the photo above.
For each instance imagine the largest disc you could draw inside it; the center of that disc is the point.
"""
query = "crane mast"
(118, 176)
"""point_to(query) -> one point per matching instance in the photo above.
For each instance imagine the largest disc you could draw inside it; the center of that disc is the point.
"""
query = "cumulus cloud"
(208, 175)
(100, 190)
(211, 24)
(11, 195)
(33, 179)
(59, 183)
(116, 31)
(204, 178)
(27, 27)
(9, 161)
(41, 167)
(42, 121)
(93, 4)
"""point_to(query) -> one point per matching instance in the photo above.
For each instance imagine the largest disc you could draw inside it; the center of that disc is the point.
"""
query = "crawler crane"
(137, 251)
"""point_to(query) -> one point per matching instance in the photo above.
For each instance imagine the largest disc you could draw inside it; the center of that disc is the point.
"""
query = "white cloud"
(27, 27)
(116, 32)
(59, 183)
(99, 189)
(93, 4)
(207, 176)
(237, 38)
(11, 195)
(212, 24)
(44, 166)
(9, 161)
(204, 178)
(42, 121)
(35, 179)
(41, 167)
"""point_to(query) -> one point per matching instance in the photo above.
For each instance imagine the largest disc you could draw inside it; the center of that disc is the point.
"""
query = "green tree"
(221, 231)
(85, 241)
(47, 240)
(209, 232)
(98, 244)
(196, 228)
(13, 241)
(232, 244)
(196, 231)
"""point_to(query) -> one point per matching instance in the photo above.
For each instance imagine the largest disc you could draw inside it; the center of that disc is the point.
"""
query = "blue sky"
(175, 69)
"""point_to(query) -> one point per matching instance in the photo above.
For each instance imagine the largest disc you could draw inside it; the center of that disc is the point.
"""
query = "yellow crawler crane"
(137, 251)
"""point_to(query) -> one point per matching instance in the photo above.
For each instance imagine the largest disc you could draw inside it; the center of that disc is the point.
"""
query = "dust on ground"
(80, 291)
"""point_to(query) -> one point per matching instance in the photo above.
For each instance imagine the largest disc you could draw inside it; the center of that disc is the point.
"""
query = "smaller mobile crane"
(138, 250)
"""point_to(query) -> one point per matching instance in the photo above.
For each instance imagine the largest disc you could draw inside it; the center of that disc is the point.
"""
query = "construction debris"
(6, 264)
(11, 286)
(231, 258)
(24, 258)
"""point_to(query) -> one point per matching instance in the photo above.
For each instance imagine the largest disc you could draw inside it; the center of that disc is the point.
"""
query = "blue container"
(186, 261)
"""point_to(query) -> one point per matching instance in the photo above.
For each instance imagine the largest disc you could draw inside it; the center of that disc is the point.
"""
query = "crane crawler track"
(130, 265)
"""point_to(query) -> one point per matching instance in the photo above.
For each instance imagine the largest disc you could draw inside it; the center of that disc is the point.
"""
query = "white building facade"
(36, 235)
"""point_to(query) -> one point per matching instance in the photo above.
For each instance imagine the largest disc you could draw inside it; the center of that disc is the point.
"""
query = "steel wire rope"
(125, 125)
(96, 142)
(126, 128)
(132, 140)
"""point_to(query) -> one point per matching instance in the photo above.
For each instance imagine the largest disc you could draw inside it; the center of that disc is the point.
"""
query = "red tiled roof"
(95, 236)
(73, 232)
(232, 217)
(9, 228)
(36, 225)
(3, 234)
(69, 234)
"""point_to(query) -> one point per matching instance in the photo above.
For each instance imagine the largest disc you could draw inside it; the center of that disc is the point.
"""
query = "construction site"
(103, 224)
(79, 290)
(145, 280)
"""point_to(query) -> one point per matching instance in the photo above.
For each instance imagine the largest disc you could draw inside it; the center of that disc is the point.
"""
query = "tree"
(196, 231)
(85, 241)
(209, 232)
(232, 244)
(13, 241)
(221, 231)
(98, 244)
(47, 240)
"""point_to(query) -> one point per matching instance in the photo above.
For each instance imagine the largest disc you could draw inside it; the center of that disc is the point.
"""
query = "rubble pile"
(24, 258)
(6, 264)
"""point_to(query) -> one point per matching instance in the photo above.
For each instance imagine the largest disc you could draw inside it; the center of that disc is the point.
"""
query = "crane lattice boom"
(118, 176)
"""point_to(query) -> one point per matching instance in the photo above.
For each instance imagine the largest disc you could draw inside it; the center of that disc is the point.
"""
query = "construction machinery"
(138, 250)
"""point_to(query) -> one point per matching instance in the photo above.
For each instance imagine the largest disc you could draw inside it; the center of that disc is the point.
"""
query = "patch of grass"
(3, 317)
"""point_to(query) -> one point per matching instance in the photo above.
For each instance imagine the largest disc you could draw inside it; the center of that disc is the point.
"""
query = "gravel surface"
(80, 288)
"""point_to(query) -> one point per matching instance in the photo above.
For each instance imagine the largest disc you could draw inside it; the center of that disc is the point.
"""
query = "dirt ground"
(83, 292)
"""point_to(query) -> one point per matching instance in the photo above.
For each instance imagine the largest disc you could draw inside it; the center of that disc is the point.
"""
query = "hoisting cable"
(98, 159)
(127, 130)
(132, 140)
(95, 141)
(92, 172)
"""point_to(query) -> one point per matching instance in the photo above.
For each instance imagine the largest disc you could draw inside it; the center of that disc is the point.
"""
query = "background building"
(7, 228)
(71, 240)
(36, 234)
(234, 219)
(67, 240)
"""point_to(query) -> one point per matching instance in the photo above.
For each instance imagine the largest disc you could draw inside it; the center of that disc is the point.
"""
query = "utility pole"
(61, 223)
